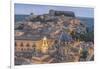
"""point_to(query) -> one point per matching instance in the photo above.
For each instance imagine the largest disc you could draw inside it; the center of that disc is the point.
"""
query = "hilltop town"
(55, 37)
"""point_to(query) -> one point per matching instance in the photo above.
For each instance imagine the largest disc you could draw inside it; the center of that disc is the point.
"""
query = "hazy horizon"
(26, 9)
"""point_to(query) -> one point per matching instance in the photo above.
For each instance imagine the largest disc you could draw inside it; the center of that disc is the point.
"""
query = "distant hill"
(89, 21)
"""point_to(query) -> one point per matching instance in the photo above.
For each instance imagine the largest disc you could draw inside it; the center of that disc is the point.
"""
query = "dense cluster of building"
(48, 38)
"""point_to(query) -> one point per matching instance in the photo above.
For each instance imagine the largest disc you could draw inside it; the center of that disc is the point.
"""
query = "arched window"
(27, 45)
(21, 44)
(21, 49)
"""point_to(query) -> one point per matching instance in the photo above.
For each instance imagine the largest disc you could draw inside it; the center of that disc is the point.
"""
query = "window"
(21, 45)
(27, 45)
(21, 49)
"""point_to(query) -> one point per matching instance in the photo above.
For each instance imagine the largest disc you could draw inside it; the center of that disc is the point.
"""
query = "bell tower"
(44, 48)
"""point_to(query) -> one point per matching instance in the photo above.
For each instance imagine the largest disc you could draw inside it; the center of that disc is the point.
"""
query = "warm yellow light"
(44, 47)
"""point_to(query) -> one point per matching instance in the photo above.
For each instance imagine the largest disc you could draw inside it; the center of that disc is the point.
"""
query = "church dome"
(65, 37)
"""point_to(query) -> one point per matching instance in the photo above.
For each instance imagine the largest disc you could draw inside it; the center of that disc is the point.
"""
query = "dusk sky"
(26, 9)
